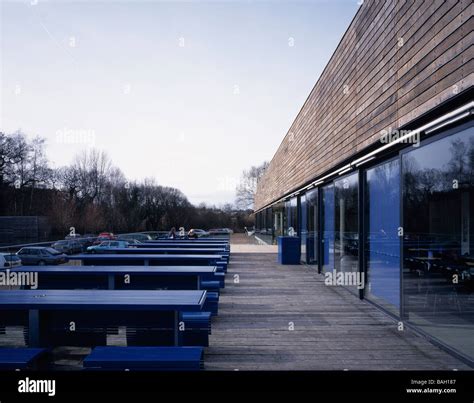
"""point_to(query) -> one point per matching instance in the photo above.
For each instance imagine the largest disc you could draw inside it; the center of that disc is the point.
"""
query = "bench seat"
(197, 328)
(20, 358)
(212, 303)
(210, 285)
(145, 358)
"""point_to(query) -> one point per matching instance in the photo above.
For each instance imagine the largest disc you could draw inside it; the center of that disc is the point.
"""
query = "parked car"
(9, 260)
(72, 236)
(40, 255)
(3, 262)
(104, 236)
(107, 245)
(157, 234)
(109, 235)
(135, 236)
(68, 247)
(220, 231)
(130, 242)
(86, 241)
(199, 232)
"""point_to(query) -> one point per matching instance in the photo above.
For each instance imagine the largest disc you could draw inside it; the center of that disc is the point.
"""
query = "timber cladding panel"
(396, 61)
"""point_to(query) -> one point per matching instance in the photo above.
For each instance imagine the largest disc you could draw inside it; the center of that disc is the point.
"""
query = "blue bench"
(210, 285)
(145, 358)
(212, 303)
(221, 267)
(217, 276)
(48, 314)
(197, 328)
(21, 358)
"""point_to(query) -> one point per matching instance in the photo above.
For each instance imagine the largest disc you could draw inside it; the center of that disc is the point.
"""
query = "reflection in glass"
(303, 227)
(327, 228)
(264, 229)
(382, 246)
(312, 225)
(292, 217)
(279, 219)
(346, 242)
(438, 244)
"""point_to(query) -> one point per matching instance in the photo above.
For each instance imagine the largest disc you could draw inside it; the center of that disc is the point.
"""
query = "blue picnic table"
(131, 259)
(166, 251)
(120, 277)
(185, 246)
(51, 314)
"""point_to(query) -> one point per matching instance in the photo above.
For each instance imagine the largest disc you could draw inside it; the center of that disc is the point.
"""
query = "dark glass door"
(382, 241)
(312, 221)
(327, 228)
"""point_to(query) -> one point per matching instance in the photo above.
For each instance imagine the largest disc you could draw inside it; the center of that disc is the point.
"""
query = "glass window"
(382, 242)
(327, 228)
(303, 227)
(312, 220)
(279, 219)
(291, 207)
(266, 230)
(269, 221)
(346, 235)
(438, 243)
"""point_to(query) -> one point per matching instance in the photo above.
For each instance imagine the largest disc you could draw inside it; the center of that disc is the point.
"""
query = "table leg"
(111, 281)
(146, 262)
(176, 328)
(33, 328)
(198, 283)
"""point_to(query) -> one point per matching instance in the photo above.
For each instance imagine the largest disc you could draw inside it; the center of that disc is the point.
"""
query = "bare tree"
(245, 191)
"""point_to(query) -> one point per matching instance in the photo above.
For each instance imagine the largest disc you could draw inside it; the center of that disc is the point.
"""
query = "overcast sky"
(189, 93)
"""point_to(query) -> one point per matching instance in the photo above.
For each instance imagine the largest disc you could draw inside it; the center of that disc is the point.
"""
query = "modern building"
(376, 173)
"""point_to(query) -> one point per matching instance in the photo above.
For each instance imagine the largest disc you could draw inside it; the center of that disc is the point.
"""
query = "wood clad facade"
(397, 61)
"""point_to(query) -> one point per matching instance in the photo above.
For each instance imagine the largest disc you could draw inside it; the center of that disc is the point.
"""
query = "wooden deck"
(333, 330)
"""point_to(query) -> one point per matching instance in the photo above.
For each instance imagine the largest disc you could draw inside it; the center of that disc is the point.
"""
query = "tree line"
(93, 195)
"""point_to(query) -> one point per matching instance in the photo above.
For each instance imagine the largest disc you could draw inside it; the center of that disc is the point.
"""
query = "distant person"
(192, 234)
(172, 233)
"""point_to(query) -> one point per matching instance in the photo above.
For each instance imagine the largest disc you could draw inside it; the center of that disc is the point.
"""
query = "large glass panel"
(266, 232)
(327, 228)
(258, 220)
(303, 227)
(346, 235)
(312, 225)
(438, 244)
(382, 242)
(279, 220)
(292, 217)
